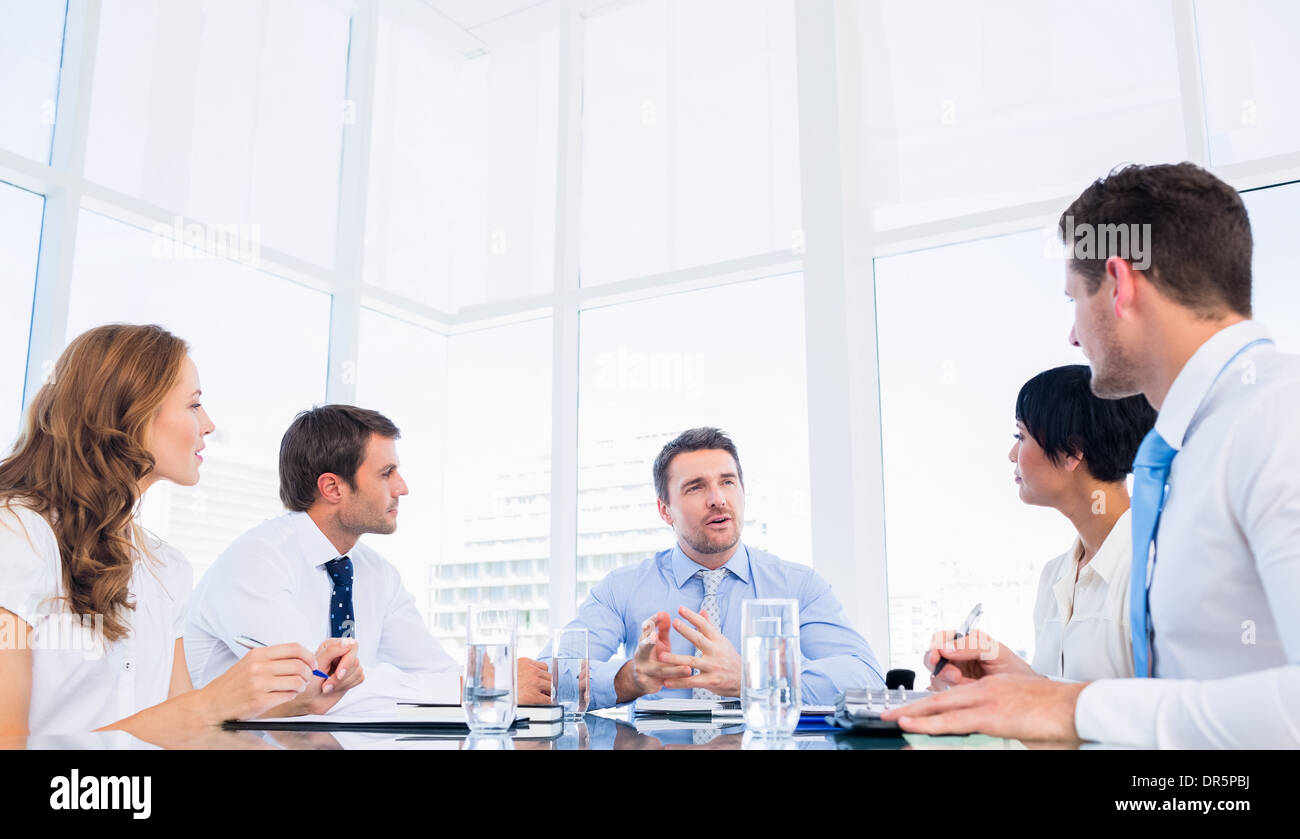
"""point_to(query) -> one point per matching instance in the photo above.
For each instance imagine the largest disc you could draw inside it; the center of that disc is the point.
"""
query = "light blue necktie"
(712, 579)
(1150, 476)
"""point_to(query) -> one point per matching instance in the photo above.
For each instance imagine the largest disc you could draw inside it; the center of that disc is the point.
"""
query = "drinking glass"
(769, 667)
(575, 737)
(570, 671)
(490, 694)
(479, 741)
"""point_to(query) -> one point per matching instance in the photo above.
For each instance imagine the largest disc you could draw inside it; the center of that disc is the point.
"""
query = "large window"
(463, 168)
(544, 237)
(259, 343)
(31, 42)
(976, 106)
(402, 373)
(497, 479)
(956, 531)
(20, 235)
(730, 357)
(228, 112)
(963, 125)
(1276, 296)
(1250, 66)
(689, 136)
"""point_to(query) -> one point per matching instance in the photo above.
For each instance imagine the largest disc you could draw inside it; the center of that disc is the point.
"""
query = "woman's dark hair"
(1061, 413)
(328, 438)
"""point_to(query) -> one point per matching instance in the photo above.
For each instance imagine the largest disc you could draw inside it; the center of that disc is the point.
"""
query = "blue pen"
(253, 643)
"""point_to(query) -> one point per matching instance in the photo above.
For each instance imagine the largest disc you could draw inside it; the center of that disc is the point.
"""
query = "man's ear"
(664, 512)
(330, 487)
(1124, 282)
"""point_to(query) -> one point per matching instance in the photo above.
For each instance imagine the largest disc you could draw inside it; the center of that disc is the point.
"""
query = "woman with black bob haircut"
(1073, 451)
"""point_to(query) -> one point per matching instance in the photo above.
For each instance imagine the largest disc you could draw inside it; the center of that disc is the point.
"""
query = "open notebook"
(859, 709)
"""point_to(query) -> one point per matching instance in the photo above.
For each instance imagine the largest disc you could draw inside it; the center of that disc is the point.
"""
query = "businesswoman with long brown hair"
(91, 606)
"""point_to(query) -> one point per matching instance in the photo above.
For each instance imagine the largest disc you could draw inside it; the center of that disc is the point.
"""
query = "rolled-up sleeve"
(835, 655)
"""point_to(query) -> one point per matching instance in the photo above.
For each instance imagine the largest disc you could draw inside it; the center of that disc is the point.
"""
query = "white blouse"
(1081, 629)
(79, 683)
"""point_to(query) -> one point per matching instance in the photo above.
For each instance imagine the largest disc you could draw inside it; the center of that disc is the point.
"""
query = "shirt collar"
(684, 567)
(1115, 551)
(315, 546)
(1194, 381)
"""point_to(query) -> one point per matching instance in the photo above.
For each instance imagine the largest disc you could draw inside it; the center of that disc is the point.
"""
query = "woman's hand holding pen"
(260, 680)
(970, 657)
(336, 657)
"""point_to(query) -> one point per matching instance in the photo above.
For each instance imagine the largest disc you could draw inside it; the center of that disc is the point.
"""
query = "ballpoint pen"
(965, 629)
(253, 643)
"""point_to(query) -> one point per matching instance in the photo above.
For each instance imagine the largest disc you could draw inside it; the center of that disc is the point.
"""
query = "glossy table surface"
(613, 730)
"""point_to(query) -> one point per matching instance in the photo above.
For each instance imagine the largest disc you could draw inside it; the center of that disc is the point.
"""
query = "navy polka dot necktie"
(342, 624)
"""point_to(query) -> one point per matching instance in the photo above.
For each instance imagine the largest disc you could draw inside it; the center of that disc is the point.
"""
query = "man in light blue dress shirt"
(653, 609)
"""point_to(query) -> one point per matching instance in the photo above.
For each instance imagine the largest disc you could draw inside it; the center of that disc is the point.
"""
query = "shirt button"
(128, 665)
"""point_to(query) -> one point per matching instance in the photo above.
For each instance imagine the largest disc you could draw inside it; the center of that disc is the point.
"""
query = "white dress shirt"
(271, 585)
(1226, 581)
(1081, 629)
(79, 683)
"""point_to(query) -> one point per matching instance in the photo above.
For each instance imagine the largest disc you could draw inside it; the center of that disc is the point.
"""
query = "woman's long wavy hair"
(82, 452)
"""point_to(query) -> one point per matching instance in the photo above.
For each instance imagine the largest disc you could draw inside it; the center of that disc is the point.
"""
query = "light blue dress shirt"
(834, 655)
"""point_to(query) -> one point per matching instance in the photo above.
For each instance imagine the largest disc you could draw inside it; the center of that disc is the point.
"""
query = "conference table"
(617, 729)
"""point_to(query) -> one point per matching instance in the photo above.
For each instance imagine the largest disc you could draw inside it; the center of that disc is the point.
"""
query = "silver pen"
(966, 627)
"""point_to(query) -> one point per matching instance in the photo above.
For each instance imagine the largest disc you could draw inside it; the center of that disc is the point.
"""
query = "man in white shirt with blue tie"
(304, 574)
(1216, 555)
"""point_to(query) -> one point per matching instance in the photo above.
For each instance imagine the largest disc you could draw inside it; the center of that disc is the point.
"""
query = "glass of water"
(769, 666)
(570, 671)
(489, 699)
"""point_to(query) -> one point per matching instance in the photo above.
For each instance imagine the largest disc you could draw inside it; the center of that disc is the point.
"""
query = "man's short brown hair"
(327, 438)
(691, 440)
(1199, 235)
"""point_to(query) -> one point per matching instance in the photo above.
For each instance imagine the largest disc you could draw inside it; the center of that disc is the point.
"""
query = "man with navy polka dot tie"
(342, 624)
(307, 573)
